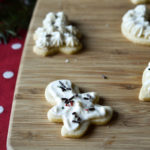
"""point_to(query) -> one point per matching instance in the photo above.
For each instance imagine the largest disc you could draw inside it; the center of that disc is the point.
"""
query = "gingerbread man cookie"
(136, 26)
(140, 1)
(145, 90)
(77, 111)
(56, 35)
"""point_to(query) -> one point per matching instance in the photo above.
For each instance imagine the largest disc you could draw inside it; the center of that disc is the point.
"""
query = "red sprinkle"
(71, 103)
(86, 109)
(67, 105)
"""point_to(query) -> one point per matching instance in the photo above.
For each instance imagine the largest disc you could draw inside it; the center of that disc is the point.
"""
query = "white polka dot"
(16, 46)
(8, 74)
(1, 109)
(67, 61)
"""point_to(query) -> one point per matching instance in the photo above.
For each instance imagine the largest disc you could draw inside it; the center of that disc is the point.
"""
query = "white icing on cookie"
(56, 39)
(49, 20)
(145, 90)
(56, 25)
(136, 22)
(71, 40)
(73, 107)
(40, 31)
(43, 41)
(71, 29)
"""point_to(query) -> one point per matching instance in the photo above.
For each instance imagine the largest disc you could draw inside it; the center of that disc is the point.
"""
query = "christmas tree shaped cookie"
(56, 35)
(136, 26)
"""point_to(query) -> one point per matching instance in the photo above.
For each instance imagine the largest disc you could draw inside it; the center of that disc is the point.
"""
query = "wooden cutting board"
(105, 52)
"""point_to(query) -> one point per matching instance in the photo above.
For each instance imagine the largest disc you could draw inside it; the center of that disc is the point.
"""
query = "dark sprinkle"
(76, 95)
(148, 68)
(85, 98)
(104, 77)
(63, 87)
(62, 107)
(71, 98)
(79, 119)
(92, 109)
(75, 121)
(76, 116)
(89, 96)
(74, 113)
(62, 84)
(48, 35)
(67, 101)
(64, 99)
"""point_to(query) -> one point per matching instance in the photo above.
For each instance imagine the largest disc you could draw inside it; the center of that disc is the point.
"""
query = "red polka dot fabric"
(10, 56)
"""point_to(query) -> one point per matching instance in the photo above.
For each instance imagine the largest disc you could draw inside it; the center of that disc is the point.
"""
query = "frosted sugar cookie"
(140, 1)
(56, 35)
(145, 90)
(76, 110)
(135, 25)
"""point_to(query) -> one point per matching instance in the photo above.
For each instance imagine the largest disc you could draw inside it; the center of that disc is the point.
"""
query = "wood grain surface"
(105, 52)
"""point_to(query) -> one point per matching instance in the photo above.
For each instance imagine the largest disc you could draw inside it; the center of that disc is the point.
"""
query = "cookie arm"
(53, 117)
(75, 133)
(102, 120)
(144, 94)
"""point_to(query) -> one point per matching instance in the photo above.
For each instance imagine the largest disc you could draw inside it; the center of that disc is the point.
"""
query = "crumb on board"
(106, 25)
(104, 76)
(67, 61)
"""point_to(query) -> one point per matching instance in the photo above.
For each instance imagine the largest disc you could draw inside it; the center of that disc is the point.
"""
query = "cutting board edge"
(9, 145)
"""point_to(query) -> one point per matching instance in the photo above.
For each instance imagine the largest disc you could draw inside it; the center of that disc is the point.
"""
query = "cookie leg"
(70, 50)
(45, 51)
(49, 97)
(52, 117)
(105, 119)
(132, 38)
(77, 133)
(145, 93)
(145, 90)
